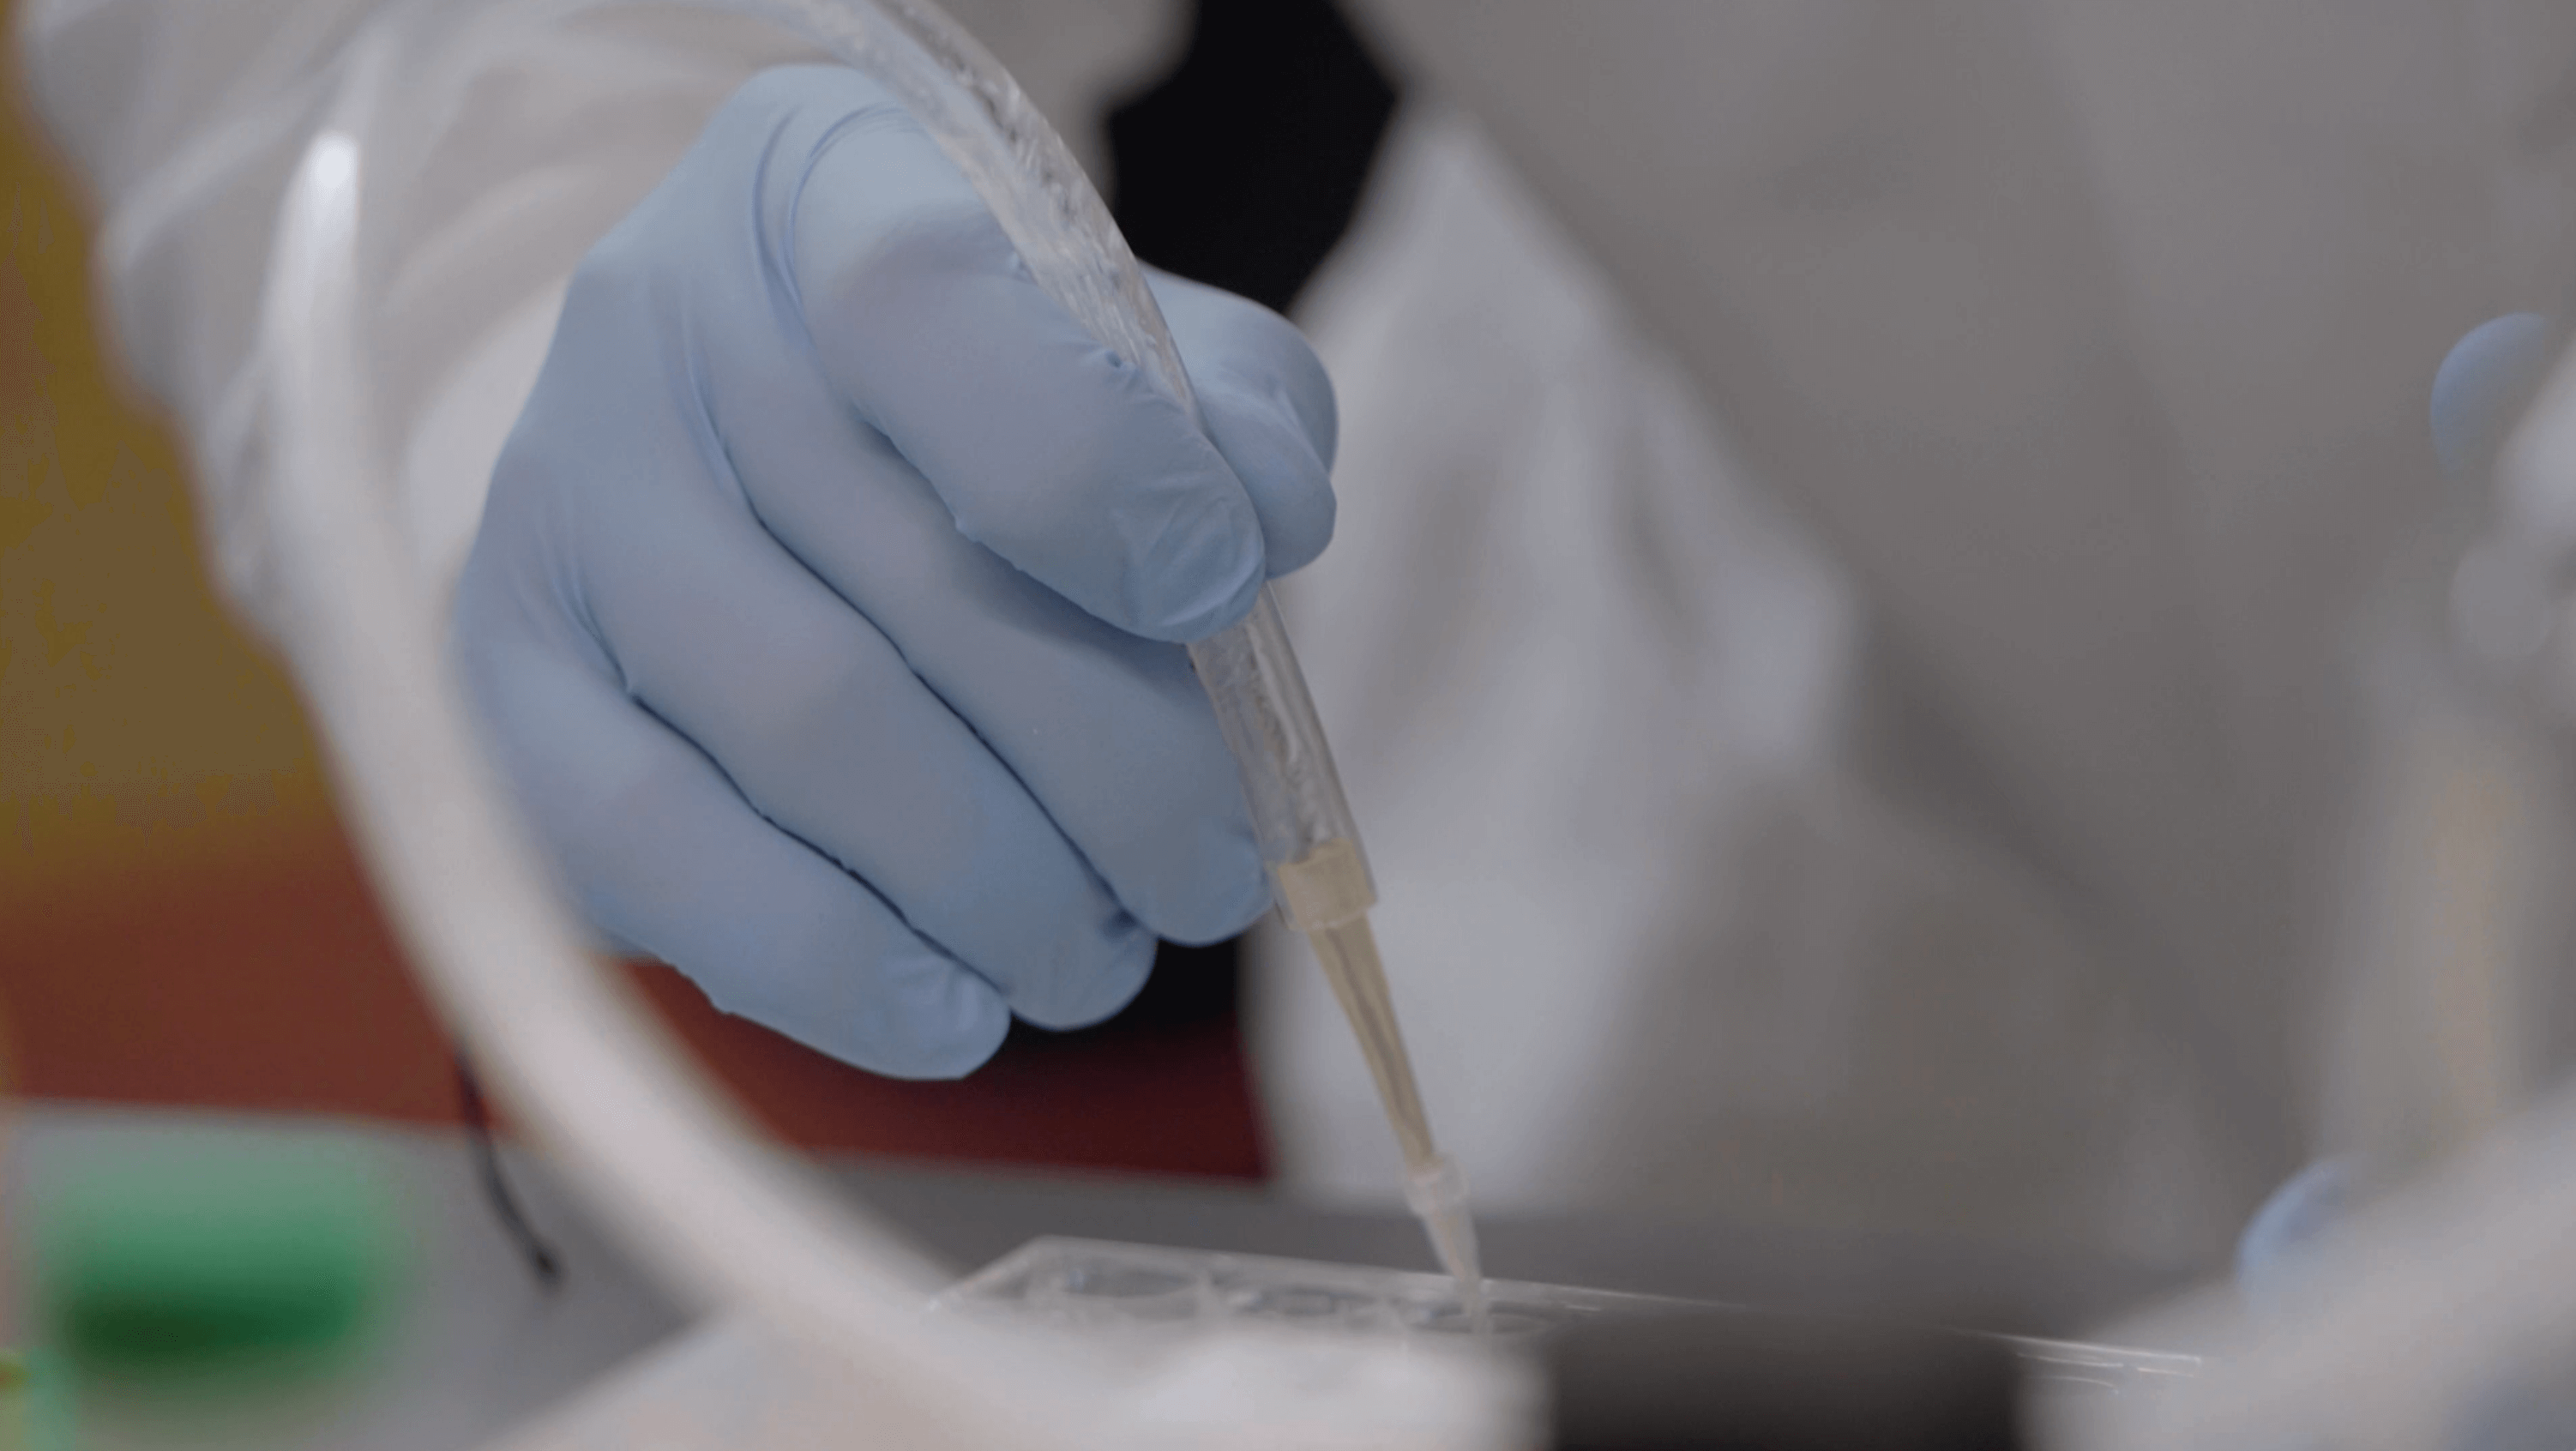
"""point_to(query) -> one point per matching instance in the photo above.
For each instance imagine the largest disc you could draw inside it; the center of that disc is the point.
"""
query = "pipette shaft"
(1326, 893)
(1074, 252)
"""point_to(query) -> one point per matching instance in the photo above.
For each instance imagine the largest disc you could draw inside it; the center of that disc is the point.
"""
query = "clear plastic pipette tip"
(1437, 1190)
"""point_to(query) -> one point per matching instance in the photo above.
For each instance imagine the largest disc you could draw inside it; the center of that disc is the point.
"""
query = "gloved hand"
(824, 609)
(2489, 371)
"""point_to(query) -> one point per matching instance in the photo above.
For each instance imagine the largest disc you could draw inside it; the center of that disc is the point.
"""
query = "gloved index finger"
(1047, 448)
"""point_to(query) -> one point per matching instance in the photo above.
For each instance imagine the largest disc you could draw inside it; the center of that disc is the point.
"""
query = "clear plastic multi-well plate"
(1159, 1292)
(1094, 1283)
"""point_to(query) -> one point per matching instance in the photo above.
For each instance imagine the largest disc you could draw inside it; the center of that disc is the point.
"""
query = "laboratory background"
(652, 779)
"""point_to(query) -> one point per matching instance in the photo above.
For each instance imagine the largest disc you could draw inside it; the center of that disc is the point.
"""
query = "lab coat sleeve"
(185, 120)
(182, 121)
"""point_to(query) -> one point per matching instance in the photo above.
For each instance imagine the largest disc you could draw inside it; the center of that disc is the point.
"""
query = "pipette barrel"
(1074, 252)
(1298, 810)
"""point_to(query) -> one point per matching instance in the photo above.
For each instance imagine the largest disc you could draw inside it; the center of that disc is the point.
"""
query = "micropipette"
(1323, 887)
(1064, 234)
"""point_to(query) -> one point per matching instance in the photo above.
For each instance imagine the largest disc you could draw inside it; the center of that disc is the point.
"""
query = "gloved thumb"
(1267, 406)
(2482, 385)
(1050, 450)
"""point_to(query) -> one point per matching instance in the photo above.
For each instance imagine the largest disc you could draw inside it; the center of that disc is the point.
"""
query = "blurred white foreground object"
(733, 1382)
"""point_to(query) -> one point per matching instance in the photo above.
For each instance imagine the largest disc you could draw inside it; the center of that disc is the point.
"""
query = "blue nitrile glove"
(2486, 373)
(2483, 377)
(2271, 1254)
(824, 609)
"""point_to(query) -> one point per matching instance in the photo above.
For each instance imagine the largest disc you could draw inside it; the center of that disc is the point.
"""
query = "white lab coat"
(1943, 859)
(2091, 342)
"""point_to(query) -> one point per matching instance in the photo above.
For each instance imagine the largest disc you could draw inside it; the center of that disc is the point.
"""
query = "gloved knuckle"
(1212, 913)
(803, 703)
(1301, 373)
(927, 244)
(1260, 328)
(1262, 356)
(1238, 324)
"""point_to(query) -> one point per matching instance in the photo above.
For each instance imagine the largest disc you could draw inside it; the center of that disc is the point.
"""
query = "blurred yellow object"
(136, 721)
(13, 1403)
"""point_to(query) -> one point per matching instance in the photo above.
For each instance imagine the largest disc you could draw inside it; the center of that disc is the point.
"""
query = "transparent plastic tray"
(1158, 1292)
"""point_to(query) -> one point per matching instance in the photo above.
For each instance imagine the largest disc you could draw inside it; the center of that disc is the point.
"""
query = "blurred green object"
(224, 1270)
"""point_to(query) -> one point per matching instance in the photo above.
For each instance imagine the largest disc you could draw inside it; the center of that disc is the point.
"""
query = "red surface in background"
(267, 980)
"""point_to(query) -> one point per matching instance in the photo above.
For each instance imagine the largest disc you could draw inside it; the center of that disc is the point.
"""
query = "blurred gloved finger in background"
(2271, 1254)
(2483, 382)
(2478, 391)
